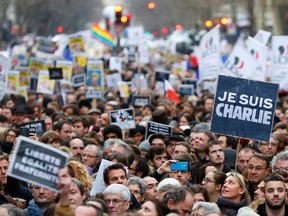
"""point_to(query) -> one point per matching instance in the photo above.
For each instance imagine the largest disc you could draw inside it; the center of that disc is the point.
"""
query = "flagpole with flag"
(103, 35)
(170, 92)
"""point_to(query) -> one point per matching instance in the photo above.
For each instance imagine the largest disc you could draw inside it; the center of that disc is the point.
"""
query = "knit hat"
(144, 146)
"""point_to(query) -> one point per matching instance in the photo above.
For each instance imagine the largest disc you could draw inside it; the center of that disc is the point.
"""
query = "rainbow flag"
(103, 35)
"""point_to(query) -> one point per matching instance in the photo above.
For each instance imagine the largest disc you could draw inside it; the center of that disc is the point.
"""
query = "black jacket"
(261, 210)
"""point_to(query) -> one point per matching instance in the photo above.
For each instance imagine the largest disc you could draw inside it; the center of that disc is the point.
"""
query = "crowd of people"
(225, 175)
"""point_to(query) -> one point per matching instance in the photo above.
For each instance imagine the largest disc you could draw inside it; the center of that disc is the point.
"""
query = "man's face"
(257, 170)
(223, 141)
(111, 136)
(76, 147)
(182, 176)
(179, 149)
(65, 132)
(75, 196)
(216, 155)
(151, 187)
(184, 208)
(133, 168)
(200, 141)
(7, 112)
(3, 170)
(138, 119)
(116, 204)
(282, 164)
(48, 124)
(269, 148)
(43, 195)
(117, 176)
(158, 160)
(89, 156)
(158, 142)
(79, 129)
(103, 120)
(243, 159)
(208, 105)
(275, 194)
(135, 190)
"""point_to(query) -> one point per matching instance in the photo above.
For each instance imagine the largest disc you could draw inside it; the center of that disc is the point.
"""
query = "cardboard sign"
(78, 80)
(123, 118)
(244, 108)
(187, 90)
(162, 74)
(93, 94)
(37, 163)
(140, 101)
(55, 73)
(39, 126)
(154, 127)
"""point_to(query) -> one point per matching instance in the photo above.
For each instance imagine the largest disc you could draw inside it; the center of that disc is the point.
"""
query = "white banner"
(242, 64)
(263, 36)
(260, 53)
(209, 61)
(279, 64)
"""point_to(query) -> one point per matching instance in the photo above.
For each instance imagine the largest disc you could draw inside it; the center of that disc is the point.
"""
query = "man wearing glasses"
(257, 170)
(91, 156)
(117, 198)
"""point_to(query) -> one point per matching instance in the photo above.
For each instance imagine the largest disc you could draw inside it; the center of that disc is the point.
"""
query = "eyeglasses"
(206, 180)
(269, 143)
(257, 168)
(282, 168)
(88, 155)
(114, 201)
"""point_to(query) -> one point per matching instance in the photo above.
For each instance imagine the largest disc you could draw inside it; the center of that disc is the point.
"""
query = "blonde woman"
(77, 170)
(234, 194)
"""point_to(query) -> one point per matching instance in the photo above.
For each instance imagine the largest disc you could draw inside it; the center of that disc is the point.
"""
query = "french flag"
(170, 92)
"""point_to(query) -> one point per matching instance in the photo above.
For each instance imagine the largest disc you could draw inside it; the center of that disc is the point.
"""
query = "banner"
(154, 127)
(260, 53)
(209, 61)
(263, 36)
(140, 101)
(279, 64)
(242, 64)
(244, 108)
(37, 163)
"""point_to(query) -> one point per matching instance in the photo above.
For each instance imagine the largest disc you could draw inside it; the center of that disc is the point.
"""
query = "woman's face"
(148, 209)
(198, 197)
(183, 121)
(231, 189)
(10, 137)
(209, 183)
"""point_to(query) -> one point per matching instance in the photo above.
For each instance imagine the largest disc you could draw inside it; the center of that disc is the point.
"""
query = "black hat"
(85, 103)
(21, 109)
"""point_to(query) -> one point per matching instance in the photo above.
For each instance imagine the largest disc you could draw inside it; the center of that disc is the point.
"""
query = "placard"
(78, 80)
(124, 118)
(154, 127)
(37, 163)
(244, 108)
(39, 126)
(186, 90)
(93, 94)
(140, 101)
(55, 73)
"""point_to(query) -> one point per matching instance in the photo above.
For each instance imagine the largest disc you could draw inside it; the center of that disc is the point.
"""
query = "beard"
(275, 206)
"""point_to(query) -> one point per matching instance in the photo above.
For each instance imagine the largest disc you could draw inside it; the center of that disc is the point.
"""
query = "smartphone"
(23, 131)
(32, 130)
(179, 166)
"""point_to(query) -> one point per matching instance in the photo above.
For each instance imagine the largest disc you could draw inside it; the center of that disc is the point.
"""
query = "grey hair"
(166, 188)
(207, 207)
(177, 194)
(281, 156)
(114, 142)
(118, 188)
(99, 152)
(12, 210)
(136, 180)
